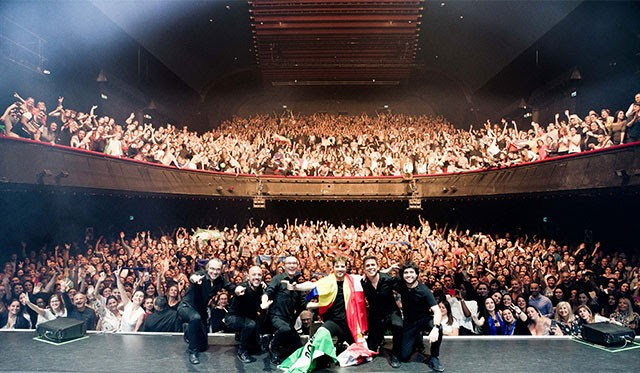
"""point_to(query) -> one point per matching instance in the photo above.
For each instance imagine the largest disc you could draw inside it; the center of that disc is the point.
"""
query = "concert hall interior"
(319, 185)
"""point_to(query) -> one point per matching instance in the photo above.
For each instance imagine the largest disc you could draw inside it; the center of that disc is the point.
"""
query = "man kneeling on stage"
(245, 314)
(417, 300)
(203, 285)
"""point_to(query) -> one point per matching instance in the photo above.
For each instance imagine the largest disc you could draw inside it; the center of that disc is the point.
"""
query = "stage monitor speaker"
(607, 334)
(61, 329)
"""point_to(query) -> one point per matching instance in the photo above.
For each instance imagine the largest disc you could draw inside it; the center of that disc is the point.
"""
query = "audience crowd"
(486, 283)
(325, 144)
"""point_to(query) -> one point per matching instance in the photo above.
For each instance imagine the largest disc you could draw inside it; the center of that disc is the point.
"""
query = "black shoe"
(264, 342)
(434, 363)
(395, 363)
(275, 359)
(193, 359)
(244, 357)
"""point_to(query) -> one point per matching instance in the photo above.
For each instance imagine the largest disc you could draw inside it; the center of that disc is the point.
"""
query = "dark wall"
(39, 218)
(78, 41)
(599, 38)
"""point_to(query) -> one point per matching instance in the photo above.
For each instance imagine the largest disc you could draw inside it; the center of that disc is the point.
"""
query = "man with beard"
(244, 313)
(383, 311)
(417, 301)
(283, 305)
(204, 285)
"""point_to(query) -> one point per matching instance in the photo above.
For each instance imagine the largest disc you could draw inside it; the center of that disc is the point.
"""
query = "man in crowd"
(306, 321)
(417, 301)
(539, 301)
(383, 312)
(163, 319)
(78, 308)
(244, 313)
(283, 305)
(192, 310)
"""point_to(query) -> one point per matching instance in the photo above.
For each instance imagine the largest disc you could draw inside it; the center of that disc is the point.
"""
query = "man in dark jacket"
(244, 313)
(192, 310)
(163, 319)
(284, 306)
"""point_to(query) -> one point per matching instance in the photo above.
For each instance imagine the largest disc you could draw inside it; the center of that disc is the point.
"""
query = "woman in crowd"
(450, 325)
(538, 324)
(564, 318)
(507, 301)
(625, 316)
(110, 316)
(585, 316)
(13, 317)
(521, 302)
(609, 306)
(132, 311)
(56, 308)
(490, 322)
(514, 321)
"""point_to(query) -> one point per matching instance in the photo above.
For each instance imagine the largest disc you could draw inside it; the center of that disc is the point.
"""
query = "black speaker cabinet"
(607, 334)
(61, 329)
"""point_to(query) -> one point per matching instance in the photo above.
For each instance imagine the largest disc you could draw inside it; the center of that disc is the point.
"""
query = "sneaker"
(395, 363)
(434, 363)
(244, 357)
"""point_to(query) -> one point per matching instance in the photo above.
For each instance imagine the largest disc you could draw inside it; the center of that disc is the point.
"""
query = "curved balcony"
(26, 164)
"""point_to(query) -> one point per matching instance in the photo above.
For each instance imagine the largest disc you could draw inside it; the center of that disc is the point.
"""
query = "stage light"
(131, 217)
(574, 93)
(103, 96)
(46, 72)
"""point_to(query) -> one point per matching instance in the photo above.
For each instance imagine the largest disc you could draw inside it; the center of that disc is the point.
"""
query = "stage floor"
(166, 353)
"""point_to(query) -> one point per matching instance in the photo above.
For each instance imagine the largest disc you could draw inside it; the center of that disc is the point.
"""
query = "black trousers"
(378, 325)
(248, 329)
(340, 330)
(410, 334)
(284, 334)
(196, 331)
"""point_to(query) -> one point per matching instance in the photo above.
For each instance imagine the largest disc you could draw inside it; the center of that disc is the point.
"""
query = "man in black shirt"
(417, 300)
(163, 319)
(284, 306)
(78, 309)
(383, 311)
(192, 310)
(245, 311)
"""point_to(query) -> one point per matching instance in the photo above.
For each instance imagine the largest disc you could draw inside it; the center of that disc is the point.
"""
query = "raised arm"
(24, 299)
(123, 292)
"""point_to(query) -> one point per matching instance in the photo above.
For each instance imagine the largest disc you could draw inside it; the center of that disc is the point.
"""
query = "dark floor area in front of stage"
(163, 353)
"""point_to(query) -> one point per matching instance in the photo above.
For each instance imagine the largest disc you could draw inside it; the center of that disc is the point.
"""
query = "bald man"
(244, 313)
(203, 285)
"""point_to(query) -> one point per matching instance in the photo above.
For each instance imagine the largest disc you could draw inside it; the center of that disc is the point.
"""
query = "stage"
(156, 352)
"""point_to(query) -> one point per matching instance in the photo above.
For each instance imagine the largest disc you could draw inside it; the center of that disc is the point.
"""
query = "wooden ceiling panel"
(337, 41)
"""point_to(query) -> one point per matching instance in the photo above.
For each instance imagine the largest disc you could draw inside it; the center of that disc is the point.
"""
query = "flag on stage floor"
(304, 359)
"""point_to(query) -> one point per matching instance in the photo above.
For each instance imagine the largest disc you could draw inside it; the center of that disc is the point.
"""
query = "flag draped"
(304, 359)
